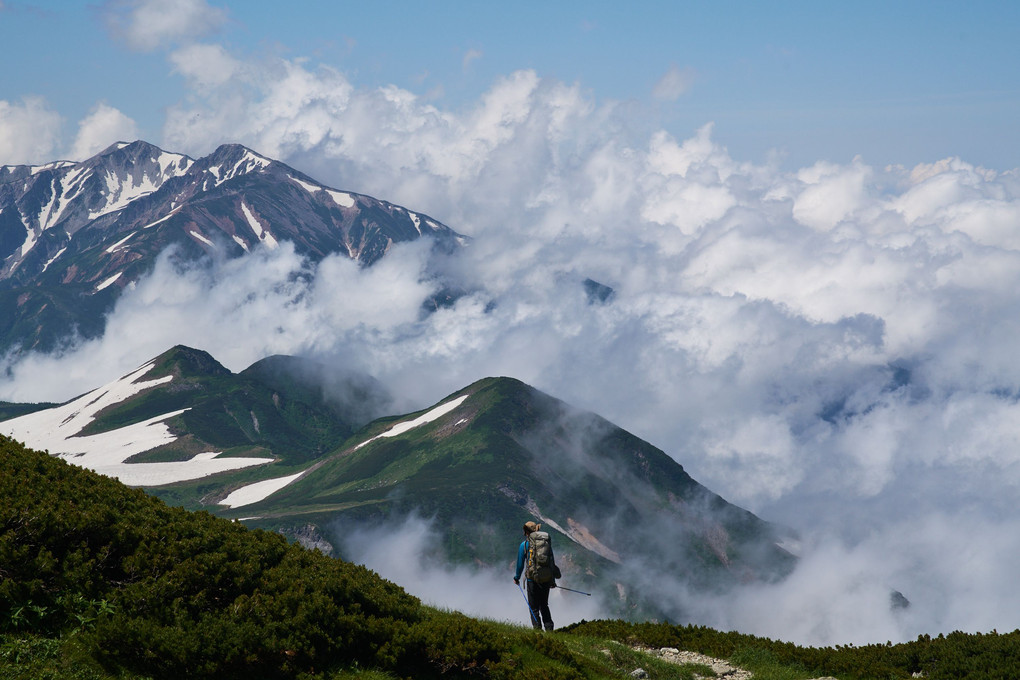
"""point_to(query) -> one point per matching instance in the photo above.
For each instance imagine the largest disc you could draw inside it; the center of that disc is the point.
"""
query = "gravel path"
(722, 669)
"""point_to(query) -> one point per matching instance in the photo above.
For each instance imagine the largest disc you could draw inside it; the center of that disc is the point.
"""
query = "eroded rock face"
(74, 235)
(309, 537)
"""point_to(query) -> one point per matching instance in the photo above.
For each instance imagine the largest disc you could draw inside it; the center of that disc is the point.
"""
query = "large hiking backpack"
(541, 563)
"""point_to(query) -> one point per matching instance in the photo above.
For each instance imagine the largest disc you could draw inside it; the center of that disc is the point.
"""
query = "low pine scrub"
(102, 582)
(957, 656)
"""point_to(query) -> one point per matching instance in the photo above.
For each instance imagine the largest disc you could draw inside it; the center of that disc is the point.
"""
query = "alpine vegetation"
(272, 447)
(104, 582)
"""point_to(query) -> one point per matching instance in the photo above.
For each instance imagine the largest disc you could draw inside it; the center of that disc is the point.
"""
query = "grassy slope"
(236, 414)
(102, 582)
(517, 455)
(508, 449)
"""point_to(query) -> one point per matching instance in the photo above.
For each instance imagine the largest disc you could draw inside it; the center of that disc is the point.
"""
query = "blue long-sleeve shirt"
(522, 559)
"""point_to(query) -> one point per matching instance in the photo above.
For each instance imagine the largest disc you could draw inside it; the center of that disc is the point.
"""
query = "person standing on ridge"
(535, 559)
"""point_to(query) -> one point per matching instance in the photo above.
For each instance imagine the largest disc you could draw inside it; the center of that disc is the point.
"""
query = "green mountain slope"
(478, 465)
(183, 416)
(508, 453)
(131, 587)
(267, 410)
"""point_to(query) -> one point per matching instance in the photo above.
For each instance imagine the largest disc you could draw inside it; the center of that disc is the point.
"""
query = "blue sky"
(895, 82)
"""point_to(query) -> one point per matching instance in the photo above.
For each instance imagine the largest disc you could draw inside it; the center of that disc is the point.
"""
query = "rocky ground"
(722, 669)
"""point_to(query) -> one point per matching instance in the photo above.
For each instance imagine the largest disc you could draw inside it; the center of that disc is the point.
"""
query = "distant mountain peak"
(237, 159)
(138, 146)
(73, 235)
(186, 361)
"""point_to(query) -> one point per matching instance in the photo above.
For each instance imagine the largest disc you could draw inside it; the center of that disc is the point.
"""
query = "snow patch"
(108, 281)
(250, 161)
(310, 188)
(158, 474)
(56, 430)
(56, 165)
(201, 238)
(162, 219)
(401, 428)
(120, 193)
(29, 243)
(253, 493)
(71, 187)
(61, 422)
(256, 226)
(168, 160)
(342, 199)
(116, 246)
(46, 216)
(54, 258)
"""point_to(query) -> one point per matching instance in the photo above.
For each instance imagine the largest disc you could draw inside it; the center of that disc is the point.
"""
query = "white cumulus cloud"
(205, 65)
(674, 83)
(147, 25)
(102, 127)
(29, 131)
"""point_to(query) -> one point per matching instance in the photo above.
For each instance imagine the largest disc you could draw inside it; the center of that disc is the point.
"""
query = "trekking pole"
(531, 611)
(574, 591)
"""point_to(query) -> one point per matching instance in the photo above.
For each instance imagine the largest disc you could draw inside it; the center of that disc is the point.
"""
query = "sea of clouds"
(832, 347)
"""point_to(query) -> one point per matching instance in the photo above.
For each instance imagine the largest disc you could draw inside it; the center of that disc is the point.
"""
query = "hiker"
(535, 559)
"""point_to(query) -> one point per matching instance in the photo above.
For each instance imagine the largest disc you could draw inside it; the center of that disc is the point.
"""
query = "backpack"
(541, 563)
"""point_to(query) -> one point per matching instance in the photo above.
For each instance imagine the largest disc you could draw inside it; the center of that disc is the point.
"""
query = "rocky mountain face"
(72, 235)
(285, 446)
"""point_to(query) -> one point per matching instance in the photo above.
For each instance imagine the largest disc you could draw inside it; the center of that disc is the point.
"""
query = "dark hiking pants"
(538, 600)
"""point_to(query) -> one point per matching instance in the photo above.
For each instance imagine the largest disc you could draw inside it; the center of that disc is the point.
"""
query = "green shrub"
(102, 582)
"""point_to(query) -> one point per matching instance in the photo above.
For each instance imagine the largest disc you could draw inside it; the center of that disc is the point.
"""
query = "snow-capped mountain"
(183, 416)
(73, 234)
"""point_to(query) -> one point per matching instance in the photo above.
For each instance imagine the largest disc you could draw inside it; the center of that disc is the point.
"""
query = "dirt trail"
(722, 669)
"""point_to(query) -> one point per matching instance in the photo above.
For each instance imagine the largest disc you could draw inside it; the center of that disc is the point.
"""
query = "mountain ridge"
(183, 415)
(74, 235)
(478, 462)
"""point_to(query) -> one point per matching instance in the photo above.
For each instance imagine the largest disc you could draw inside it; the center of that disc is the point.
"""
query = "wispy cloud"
(470, 57)
(405, 554)
(205, 66)
(675, 83)
(148, 25)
